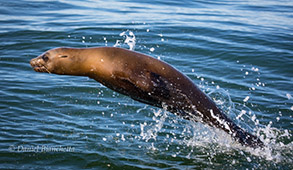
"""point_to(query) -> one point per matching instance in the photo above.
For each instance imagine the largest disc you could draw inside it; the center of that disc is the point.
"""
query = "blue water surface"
(239, 52)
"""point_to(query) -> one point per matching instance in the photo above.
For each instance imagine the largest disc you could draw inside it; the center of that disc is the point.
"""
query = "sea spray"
(128, 39)
(183, 137)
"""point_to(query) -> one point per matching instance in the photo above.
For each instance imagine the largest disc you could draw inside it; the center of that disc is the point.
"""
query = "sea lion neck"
(95, 62)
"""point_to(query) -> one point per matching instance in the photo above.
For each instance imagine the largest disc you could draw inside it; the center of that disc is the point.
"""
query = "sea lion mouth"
(41, 69)
(38, 66)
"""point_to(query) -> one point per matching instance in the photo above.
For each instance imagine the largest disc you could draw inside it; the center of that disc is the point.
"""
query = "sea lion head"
(58, 61)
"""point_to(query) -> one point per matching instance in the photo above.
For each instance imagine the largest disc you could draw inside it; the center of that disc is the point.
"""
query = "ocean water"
(239, 52)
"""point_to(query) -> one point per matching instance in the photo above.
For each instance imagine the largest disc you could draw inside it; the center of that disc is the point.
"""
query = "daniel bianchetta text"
(40, 148)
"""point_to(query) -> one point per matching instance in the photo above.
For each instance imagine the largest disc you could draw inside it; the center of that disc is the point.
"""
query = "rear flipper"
(247, 139)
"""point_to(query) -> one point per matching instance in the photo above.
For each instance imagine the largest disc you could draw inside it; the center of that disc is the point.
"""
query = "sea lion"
(144, 79)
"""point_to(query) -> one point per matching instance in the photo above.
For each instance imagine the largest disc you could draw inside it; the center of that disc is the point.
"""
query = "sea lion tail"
(247, 139)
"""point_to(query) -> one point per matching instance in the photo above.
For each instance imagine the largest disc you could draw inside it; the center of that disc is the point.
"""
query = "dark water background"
(239, 52)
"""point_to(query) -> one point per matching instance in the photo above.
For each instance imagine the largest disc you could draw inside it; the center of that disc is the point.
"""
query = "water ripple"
(239, 52)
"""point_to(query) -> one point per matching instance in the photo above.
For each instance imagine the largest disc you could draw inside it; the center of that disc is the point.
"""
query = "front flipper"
(160, 86)
(147, 87)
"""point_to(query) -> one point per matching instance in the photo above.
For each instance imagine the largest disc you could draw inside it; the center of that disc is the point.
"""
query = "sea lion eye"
(45, 58)
(63, 56)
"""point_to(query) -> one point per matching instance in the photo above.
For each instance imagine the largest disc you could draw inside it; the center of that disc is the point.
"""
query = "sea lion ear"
(63, 56)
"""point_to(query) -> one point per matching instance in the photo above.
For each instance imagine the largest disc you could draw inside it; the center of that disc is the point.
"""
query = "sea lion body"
(144, 79)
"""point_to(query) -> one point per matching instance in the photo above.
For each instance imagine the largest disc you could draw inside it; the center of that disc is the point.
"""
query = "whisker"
(47, 70)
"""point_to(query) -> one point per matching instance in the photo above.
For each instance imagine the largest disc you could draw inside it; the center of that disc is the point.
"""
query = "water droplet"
(246, 99)
(248, 159)
(122, 137)
(288, 96)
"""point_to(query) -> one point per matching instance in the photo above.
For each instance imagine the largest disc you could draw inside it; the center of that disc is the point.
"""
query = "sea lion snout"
(38, 64)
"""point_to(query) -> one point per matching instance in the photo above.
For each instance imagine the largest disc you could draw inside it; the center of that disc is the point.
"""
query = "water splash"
(275, 149)
(184, 137)
(152, 133)
(128, 39)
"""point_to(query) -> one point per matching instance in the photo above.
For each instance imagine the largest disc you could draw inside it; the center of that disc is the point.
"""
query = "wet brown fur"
(144, 79)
